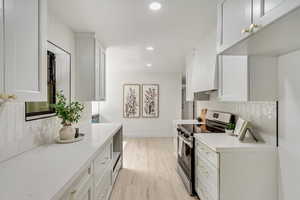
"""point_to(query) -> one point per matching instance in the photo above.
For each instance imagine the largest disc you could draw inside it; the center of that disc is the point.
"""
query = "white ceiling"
(126, 27)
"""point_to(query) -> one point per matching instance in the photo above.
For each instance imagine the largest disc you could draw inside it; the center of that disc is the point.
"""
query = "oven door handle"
(188, 142)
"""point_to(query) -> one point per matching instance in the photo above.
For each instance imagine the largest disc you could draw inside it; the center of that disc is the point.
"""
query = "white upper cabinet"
(90, 68)
(100, 73)
(189, 77)
(25, 52)
(266, 11)
(240, 19)
(1, 48)
(247, 78)
(205, 65)
(234, 16)
(233, 78)
(201, 69)
(102, 86)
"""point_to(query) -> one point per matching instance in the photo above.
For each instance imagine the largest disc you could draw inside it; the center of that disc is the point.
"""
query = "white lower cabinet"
(206, 172)
(96, 181)
(235, 174)
(103, 173)
(82, 188)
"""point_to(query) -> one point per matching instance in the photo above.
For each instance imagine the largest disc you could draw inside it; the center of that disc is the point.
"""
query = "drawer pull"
(253, 27)
(246, 30)
(72, 194)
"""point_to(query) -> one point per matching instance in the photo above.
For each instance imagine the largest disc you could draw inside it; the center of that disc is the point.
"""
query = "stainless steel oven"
(211, 122)
(185, 151)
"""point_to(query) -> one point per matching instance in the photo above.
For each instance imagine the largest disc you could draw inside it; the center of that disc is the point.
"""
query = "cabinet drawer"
(83, 178)
(82, 184)
(85, 192)
(103, 160)
(103, 187)
(203, 193)
(208, 176)
(207, 153)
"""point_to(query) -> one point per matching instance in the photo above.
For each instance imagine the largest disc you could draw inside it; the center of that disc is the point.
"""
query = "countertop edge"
(61, 192)
(220, 149)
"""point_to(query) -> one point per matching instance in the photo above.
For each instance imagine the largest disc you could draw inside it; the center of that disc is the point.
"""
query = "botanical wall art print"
(150, 100)
(131, 100)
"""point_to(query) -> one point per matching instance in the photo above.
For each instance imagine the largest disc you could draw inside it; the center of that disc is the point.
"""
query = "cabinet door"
(25, 49)
(1, 48)
(189, 76)
(234, 16)
(97, 71)
(85, 193)
(266, 11)
(233, 78)
(102, 75)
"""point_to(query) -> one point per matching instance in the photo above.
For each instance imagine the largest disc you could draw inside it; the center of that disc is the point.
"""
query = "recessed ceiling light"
(155, 6)
(150, 48)
(149, 65)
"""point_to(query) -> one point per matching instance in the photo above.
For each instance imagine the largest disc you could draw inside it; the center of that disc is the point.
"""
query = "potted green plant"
(230, 128)
(69, 113)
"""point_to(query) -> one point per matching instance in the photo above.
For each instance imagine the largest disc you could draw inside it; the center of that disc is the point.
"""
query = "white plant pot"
(67, 132)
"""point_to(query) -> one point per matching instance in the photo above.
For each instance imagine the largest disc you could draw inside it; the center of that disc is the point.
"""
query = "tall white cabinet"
(24, 49)
(90, 68)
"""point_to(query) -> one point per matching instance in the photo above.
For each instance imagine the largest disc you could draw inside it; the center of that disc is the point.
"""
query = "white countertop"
(186, 121)
(221, 142)
(44, 172)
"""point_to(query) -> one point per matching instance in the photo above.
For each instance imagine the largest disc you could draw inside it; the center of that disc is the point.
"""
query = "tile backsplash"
(17, 135)
(262, 115)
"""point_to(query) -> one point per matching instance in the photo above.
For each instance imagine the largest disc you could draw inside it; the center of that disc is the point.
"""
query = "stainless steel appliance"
(211, 122)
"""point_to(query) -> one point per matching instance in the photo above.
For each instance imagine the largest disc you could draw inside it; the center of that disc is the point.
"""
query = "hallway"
(149, 172)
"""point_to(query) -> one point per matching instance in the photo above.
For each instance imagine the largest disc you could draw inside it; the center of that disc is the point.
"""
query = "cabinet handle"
(246, 30)
(72, 194)
(7, 97)
(253, 27)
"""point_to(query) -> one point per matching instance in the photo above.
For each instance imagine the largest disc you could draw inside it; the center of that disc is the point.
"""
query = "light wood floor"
(149, 172)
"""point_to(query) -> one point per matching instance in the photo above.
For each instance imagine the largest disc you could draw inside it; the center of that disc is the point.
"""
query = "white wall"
(289, 119)
(170, 102)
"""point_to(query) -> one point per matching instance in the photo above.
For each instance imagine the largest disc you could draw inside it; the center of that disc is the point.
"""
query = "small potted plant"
(69, 113)
(230, 128)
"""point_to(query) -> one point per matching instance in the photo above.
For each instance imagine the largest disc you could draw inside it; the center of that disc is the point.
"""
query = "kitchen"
(206, 65)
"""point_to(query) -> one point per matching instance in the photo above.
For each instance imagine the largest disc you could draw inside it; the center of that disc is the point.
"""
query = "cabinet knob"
(6, 97)
(253, 27)
(245, 30)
